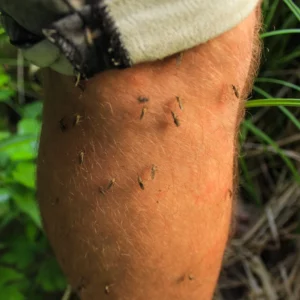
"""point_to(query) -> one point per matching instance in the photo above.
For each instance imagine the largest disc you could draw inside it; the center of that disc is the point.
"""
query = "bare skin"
(136, 196)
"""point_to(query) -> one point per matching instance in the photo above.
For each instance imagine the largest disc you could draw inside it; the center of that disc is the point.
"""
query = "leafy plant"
(28, 269)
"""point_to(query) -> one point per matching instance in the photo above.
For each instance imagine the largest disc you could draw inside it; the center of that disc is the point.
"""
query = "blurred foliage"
(28, 269)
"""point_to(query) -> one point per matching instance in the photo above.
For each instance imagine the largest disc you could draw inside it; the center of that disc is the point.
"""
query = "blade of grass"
(289, 57)
(270, 14)
(279, 32)
(264, 137)
(290, 22)
(293, 7)
(248, 182)
(292, 118)
(268, 140)
(273, 102)
(278, 81)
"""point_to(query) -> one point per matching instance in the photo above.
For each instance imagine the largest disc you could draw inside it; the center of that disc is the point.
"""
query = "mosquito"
(141, 183)
(77, 119)
(144, 109)
(235, 90)
(111, 183)
(179, 101)
(143, 99)
(175, 119)
(153, 171)
(81, 157)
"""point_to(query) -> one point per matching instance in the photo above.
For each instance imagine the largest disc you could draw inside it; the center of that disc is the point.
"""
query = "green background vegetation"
(28, 269)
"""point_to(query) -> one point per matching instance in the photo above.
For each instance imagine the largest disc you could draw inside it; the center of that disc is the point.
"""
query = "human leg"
(165, 241)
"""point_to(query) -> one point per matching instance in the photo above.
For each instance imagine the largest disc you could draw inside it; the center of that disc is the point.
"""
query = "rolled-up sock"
(90, 36)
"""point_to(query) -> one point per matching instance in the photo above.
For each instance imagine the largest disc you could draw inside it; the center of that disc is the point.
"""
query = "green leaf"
(24, 145)
(16, 141)
(8, 275)
(20, 253)
(24, 173)
(7, 215)
(6, 94)
(29, 126)
(4, 79)
(4, 135)
(31, 232)
(50, 277)
(4, 195)
(11, 293)
(26, 202)
(33, 110)
(20, 147)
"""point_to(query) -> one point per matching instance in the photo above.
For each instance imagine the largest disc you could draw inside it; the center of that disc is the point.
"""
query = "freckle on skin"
(180, 279)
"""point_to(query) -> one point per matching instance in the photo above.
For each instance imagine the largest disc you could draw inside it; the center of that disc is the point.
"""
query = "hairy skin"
(150, 235)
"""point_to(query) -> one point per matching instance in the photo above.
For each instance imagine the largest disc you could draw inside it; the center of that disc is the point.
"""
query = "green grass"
(28, 269)
(279, 55)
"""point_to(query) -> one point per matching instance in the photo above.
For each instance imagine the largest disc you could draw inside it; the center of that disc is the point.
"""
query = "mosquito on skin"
(143, 99)
(153, 171)
(77, 119)
(179, 101)
(111, 183)
(141, 183)
(235, 90)
(175, 119)
(81, 157)
(144, 110)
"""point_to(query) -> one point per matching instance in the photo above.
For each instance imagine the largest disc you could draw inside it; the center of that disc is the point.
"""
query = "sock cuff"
(90, 36)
